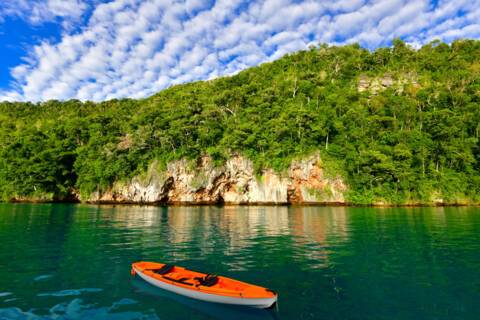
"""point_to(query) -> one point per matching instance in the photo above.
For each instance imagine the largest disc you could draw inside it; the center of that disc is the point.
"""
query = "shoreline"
(249, 204)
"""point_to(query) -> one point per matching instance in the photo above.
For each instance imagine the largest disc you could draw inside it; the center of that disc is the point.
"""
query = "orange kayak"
(203, 286)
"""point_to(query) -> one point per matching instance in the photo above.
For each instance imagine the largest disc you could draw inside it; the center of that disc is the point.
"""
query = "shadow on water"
(217, 311)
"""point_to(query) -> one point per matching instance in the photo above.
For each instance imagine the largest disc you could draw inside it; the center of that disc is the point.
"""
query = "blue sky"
(104, 49)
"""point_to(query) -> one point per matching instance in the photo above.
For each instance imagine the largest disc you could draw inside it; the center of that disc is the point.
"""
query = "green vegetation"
(399, 124)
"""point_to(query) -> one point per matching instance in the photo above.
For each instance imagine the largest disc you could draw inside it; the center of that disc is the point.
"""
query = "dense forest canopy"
(398, 124)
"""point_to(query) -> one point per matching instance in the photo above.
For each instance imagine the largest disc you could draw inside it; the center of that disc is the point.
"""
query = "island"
(327, 125)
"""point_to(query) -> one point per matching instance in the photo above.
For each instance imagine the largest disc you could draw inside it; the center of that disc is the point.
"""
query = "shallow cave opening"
(220, 200)
(167, 186)
(292, 195)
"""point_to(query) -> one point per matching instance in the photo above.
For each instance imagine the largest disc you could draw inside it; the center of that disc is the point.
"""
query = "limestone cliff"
(235, 182)
(376, 84)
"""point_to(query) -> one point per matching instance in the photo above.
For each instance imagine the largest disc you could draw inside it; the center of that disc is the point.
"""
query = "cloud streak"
(40, 11)
(133, 48)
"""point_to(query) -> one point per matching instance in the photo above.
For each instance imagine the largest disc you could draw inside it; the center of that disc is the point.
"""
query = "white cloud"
(41, 11)
(406, 14)
(134, 48)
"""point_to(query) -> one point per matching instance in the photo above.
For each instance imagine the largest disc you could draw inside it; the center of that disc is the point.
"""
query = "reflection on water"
(72, 261)
(232, 228)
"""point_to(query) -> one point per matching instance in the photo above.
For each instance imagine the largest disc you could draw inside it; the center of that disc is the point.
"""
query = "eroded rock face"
(375, 85)
(235, 182)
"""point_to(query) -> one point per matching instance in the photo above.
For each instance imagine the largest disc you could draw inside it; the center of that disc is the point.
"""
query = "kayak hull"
(261, 303)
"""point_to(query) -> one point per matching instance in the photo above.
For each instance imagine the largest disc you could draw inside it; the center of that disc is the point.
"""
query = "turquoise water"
(60, 261)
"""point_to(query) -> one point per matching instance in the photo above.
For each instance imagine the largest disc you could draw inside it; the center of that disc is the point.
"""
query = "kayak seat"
(164, 270)
(181, 280)
(208, 281)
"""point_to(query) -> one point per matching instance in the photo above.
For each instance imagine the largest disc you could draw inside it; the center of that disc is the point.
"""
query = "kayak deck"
(201, 282)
